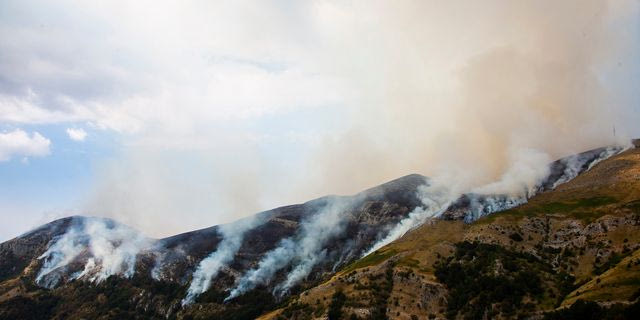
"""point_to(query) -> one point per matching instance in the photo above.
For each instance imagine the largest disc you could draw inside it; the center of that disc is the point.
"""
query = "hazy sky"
(175, 115)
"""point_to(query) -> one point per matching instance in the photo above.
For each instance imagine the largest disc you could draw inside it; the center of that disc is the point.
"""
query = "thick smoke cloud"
(105, 247)
(232, 236)
(331, 98)
(435, 199)
(497, 83)
(302, 251)
(523, 180)
(467, 97)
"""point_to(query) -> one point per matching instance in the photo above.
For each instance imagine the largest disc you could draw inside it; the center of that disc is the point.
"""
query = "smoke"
(207, 270)
(578, 163)
(343, 96)
(206, 189)
(273, 261)
(606, 154)
(481, 206)
(529, 172)
(60, 254)
(337, 97)
(109, 249)
(468, 92)
(302, 251)
(332, 97)
(435, 199)
(528, 169)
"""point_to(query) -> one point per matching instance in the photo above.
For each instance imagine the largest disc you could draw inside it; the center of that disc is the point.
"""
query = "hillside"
(163, 267)
(575, 240)
(580, 241)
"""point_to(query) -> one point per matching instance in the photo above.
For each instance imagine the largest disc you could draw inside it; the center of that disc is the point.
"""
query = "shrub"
(335, 308)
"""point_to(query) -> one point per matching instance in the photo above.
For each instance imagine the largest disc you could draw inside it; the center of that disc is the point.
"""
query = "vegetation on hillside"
(487, 280)
(110, 299)
(589, 310)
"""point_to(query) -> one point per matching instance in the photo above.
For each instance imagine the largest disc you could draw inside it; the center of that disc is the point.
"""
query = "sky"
(177, 115)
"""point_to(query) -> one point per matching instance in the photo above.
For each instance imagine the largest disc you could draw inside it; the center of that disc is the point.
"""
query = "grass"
(619, 282)
(633, 206)
(409, 262)
(372, 259)
(564, 207)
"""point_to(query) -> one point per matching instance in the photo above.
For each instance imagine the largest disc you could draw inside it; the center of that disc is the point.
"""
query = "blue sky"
(176, 115)
(35, 189)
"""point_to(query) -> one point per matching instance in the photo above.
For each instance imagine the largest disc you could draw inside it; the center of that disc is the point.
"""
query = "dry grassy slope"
(616, 283)
(576, 228)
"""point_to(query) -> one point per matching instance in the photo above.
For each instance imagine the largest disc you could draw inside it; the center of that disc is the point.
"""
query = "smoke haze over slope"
(225, 109)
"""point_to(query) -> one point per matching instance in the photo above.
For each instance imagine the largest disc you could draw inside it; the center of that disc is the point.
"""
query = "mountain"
(574, 237)
(568, 253)
(170, 262)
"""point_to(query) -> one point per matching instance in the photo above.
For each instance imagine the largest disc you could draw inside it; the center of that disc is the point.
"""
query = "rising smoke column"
(448, 101)
(64, 250)
(574, 164)
(495, 197)
(435, 199)
(310, 248)
(529, 169)
(528, 175)
(418, 91)
(111, 248)
(304, 250)
(232, 236)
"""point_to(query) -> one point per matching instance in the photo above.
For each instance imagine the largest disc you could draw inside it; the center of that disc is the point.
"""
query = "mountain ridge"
(377, 209)
(582, 241)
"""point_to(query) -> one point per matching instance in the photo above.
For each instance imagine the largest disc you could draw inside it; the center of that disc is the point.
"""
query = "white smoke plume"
(111, 249)
(347, 253)
(488, 204)
(521, 181)
(304, 250)
(232, 236)
(435, 199)
(529, 167)
(527, 176)
(273, 261)
(315, 234)
(606, 154)
(60, 254)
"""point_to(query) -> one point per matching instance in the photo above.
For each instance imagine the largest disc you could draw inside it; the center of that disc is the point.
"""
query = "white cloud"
(133, 80)
(76, 134)
(20, 143)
